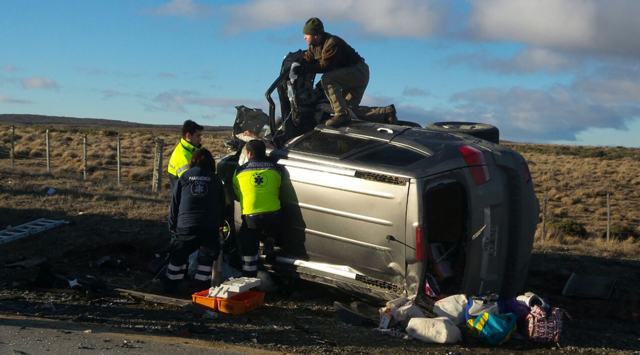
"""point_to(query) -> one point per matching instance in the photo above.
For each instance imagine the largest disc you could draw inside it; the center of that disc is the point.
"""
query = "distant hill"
(42, 120)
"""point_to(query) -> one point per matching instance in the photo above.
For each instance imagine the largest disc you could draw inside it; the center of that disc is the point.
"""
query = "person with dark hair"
(190, 141)
(195, 219)
(345, 76)
(257, 185)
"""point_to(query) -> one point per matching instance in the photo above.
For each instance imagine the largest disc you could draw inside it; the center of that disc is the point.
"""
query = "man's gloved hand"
(299, 70)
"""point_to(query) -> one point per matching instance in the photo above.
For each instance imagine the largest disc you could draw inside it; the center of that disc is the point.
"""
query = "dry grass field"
(576, 185)
(129, 222)
(137, 148)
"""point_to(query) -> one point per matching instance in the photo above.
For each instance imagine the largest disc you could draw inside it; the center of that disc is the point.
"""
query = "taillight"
(419, 239)
(527, 174)
(476, 163)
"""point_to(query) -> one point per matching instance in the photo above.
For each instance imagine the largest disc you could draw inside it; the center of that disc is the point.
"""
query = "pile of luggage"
(487, 318)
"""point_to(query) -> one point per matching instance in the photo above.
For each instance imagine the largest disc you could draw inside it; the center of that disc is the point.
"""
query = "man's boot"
(338, 121)
(390, 115)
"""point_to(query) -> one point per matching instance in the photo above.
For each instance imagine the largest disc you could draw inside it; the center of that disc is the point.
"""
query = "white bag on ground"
(439, 330)
(452, 307)
(406, 312)
(402, 310)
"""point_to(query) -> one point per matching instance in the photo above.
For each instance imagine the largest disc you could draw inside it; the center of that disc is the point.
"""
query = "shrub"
(570, 227)
(110, 133)
(622, 231)
(70, 155)
(141, 174)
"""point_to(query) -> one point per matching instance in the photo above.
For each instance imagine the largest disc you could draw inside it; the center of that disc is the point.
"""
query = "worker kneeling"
(195, 219)
(257, 185)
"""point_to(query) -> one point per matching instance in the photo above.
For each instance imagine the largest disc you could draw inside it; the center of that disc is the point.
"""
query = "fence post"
(85, 157)
(13, 146)
(608, 218)
(544, 217)
(119, 165)
(157, 168)
(48, 154)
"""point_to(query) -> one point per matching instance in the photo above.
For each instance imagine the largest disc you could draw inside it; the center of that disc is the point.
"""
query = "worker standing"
(345, 76)
(257, 185)
(195, 219)
(181, 156)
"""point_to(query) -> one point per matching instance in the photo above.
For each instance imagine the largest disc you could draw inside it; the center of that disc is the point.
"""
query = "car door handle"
(385, 130)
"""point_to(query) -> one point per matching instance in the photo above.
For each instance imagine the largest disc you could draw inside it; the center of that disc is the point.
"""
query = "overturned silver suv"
(388, 210)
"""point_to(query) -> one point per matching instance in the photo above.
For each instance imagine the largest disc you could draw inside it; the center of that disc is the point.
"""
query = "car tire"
(481, 130)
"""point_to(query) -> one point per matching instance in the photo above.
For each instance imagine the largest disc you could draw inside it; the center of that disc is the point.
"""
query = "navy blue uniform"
(196, 215)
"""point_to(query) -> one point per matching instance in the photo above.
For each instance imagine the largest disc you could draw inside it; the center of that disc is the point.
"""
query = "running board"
(342, 279)
(40, 225)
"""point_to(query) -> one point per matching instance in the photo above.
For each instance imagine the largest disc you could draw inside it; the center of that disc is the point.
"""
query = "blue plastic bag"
(493, 329)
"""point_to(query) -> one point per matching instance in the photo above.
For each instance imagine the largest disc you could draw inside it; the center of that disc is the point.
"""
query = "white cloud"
(387, 18)
(109, 94)
(10, 68)
(39, 83)
(180, 8)
(593, 26)
(376, 100)
(612, 85)
(530, 114)
(413, 91)
(177, 100)
(4, 99)
(529, 60)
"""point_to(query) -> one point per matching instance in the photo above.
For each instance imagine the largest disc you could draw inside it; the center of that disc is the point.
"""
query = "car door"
(335, 213)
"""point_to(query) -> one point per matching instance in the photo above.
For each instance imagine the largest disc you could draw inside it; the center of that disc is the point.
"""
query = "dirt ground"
(129, 224)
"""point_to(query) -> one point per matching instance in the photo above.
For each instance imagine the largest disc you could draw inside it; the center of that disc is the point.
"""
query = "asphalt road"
(33, 336)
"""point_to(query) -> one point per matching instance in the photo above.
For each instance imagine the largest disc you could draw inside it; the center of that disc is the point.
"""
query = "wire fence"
(137, 158)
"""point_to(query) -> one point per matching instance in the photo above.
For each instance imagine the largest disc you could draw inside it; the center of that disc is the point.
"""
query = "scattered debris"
(40, 225)
(156, 265)
(394, 333)
(210, 315)
(346, 316)
(27, 263)
(51, 191)
(191, 328)
(128, 344)
(48, 278)
(129, 230)
(589, 286)
(113, 263)
(154, 298)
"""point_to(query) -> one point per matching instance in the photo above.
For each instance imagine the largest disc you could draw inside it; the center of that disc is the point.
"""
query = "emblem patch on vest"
(259, 179)
(199, 189)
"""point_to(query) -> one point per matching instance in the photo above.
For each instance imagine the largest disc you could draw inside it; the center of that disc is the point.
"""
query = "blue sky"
(550, 71)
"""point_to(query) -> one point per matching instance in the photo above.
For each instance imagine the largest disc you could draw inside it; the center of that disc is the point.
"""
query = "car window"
(392, 155)
(331, 144)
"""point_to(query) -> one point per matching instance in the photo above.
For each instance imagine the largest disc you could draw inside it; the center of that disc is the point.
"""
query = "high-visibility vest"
(257, 185)
(180, 158)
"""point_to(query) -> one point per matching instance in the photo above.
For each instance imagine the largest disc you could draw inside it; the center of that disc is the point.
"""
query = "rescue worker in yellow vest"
(257, 185)
(181, 156)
